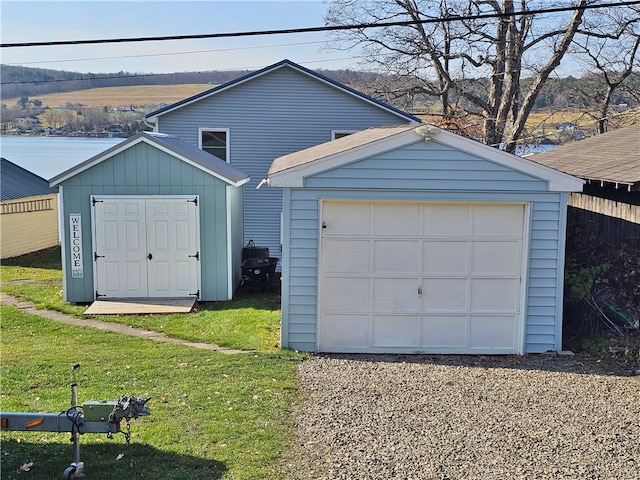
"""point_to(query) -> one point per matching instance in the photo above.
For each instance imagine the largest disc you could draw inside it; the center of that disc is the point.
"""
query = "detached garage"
(152, 217)
(405, 240)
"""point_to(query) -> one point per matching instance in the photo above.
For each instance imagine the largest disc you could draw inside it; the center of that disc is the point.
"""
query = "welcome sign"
(75, 237)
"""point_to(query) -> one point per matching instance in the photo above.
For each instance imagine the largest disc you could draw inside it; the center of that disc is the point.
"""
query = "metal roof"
(172, 145)
(283, 63)
(612, 157)
(16, 182)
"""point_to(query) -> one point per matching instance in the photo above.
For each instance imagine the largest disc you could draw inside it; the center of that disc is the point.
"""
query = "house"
(28, 205)
(610, 165)
(416, 240)
(151, 217)
(278, 110)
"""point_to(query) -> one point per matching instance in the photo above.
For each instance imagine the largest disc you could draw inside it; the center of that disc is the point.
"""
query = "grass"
(214, 416)
(251, 321)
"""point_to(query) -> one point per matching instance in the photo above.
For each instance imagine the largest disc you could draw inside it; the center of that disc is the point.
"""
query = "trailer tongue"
(90, 417)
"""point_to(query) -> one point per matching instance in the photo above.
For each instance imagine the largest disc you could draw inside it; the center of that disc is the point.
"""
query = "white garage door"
(146, 247)
(401, 277)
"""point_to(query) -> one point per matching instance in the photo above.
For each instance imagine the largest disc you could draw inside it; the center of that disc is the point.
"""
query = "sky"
(55, 20)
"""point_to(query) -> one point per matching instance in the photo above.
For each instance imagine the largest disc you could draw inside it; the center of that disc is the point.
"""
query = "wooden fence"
(617, 222)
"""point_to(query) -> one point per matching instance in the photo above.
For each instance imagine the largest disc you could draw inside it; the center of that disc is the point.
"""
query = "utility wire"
(328, 28)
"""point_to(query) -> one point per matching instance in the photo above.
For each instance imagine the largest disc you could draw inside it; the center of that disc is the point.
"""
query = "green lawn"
(213, 415)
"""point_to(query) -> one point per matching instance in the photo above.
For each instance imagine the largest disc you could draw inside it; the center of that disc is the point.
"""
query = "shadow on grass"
(49, 258)
(103, 461)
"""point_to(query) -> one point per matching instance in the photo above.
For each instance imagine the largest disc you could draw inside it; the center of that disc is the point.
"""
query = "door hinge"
(99, 295)
(196, 256)
(96, 256)
(197, 295)
(195, 200)
(94, 201)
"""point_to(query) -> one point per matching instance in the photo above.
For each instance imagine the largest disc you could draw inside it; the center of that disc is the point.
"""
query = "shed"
(610, 164)
(416, 240)
(151, 217)
(29, 204)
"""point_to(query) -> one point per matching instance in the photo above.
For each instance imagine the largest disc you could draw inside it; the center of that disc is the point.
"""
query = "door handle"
(419, 290)
(149, 256)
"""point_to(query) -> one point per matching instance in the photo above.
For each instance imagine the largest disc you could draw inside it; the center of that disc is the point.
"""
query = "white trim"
(145, 197)
(125, 146)
(295, 176)
(201, 130)
(230, 265)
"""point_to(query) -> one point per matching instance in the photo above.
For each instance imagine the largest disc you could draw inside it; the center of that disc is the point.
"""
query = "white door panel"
(120, 240)
(421, 277)
(146, 247)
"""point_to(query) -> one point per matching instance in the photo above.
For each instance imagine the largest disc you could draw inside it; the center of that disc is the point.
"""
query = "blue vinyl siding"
(145, 170)
(543, 300)
(280, 112)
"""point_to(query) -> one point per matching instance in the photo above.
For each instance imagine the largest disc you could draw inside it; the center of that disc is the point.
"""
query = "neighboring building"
(394, 244)
(29, 215)
(610, 164)
(278, 110)
(151, 217)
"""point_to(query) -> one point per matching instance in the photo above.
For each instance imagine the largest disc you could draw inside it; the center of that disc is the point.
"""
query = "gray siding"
(280, 112)
(145, 170)
(459, 178)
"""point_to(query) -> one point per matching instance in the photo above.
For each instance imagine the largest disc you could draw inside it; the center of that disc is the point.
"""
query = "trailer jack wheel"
(75, 470)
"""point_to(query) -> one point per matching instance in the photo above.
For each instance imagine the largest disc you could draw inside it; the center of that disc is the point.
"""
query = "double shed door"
(421, 277)
(146, 246)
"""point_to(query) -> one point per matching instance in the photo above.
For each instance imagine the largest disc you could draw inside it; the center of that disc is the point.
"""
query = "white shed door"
(421, 277)
(146, 247)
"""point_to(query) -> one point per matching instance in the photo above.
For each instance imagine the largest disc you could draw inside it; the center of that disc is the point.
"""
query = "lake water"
(49, 156)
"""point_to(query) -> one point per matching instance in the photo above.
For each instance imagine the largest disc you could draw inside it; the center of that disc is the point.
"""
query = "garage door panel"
(396, 257)
(422, 277)
(489, 332)
(350, 218)
(450, 257)
(395, 295)
(345, 331)
(496, 258)
(494, 295)
(498, 220)
(444, 295)
(446, 220)
(347, 294)
(345, 256)
(444, 331)
(395, 331)
(396, 219)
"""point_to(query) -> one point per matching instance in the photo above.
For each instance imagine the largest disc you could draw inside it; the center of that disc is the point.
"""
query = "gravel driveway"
(466, 417)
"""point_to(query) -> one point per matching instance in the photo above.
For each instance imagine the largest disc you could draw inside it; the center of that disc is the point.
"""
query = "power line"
(193, 52)
(329, 28)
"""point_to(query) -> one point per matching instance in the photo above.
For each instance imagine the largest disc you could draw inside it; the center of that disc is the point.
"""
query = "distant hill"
(26, 81)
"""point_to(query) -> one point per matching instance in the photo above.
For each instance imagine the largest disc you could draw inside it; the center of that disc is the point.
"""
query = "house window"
(335, 134)
(216, 142)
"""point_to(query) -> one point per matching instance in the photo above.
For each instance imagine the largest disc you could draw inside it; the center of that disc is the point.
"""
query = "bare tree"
(611, 47)
(462, 57)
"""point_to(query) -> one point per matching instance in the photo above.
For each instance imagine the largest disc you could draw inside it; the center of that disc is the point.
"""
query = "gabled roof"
(16, 182)
(152, 117)
(171, 145)
(612, 157)
(291, 170)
